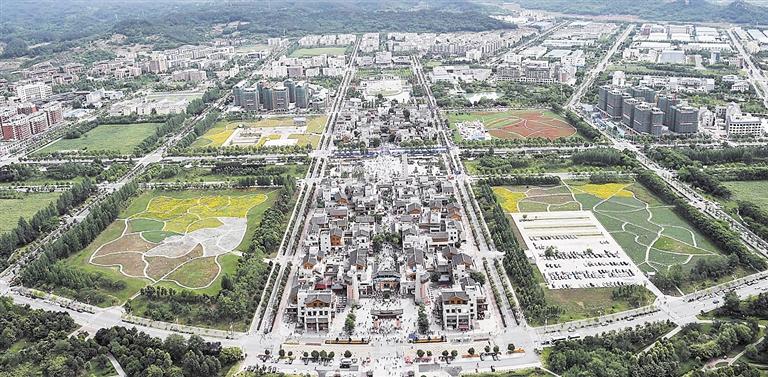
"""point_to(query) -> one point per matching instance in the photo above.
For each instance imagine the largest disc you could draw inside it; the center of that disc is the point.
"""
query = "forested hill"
(40, 27)
(738, 11)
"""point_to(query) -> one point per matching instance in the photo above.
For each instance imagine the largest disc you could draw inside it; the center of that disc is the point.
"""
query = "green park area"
(654, 236)
(185, 240)
(117, 138)
(257, 132)
(23, 205)
(752, 191)
(315, 51)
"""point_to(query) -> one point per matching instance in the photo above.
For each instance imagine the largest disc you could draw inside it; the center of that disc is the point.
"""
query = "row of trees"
(200, 128)
(603, 157)
(244, 150)
(171, 125)
(634, 294)
(688, 164)
(584, 128)
(44, 220)
(686, 157)
(253, 169)
(176, 122)
(755, 217)
(62, 172)
(45, 272)
(529, 293)
(704, 181)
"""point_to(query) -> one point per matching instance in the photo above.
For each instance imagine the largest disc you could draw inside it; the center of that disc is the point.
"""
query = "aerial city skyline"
(364, 188)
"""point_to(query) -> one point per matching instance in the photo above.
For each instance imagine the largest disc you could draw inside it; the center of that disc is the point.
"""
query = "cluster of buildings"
(189, 75)
(396, 231)
(679, 44)
(26, 119)
(645, 111)
(369, 43)
(537, 72)
(193, 61)
(753, 39)
(558, 58)
(678, 84)
(185, 58)
(155, 104)
(382, 59)
(327, 40)
(311, 66)
(36, 91)
(268, 96)
(49, 74)
(579, 34)
(459, 73)
(471, 46)
(396, 124)
(736, 123)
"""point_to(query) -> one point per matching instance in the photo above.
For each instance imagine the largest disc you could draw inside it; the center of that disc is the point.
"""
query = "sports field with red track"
(518, 124)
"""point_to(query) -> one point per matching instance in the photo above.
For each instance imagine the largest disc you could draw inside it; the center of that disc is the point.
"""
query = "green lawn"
(582, 303)
(752, 191)
(228, 262)
(315, 51)
(119, 138)
(12, 209)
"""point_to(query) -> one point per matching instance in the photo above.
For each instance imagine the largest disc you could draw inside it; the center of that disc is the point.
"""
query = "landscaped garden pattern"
(223, 130)
(177, 239)
(519, 124)
(649, 232)
(119, 138)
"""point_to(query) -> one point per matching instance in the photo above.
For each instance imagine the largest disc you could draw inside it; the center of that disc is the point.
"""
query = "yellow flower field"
(509, 199)
(186, 215)
(604, 190)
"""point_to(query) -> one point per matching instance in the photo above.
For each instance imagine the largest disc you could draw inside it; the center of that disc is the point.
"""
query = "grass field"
(207, 232)
(315, 51)
(12, 209)
(653, 236)
(752, 191)
(120, 138)
(582, 303)
(517, 124)
(223, 130)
